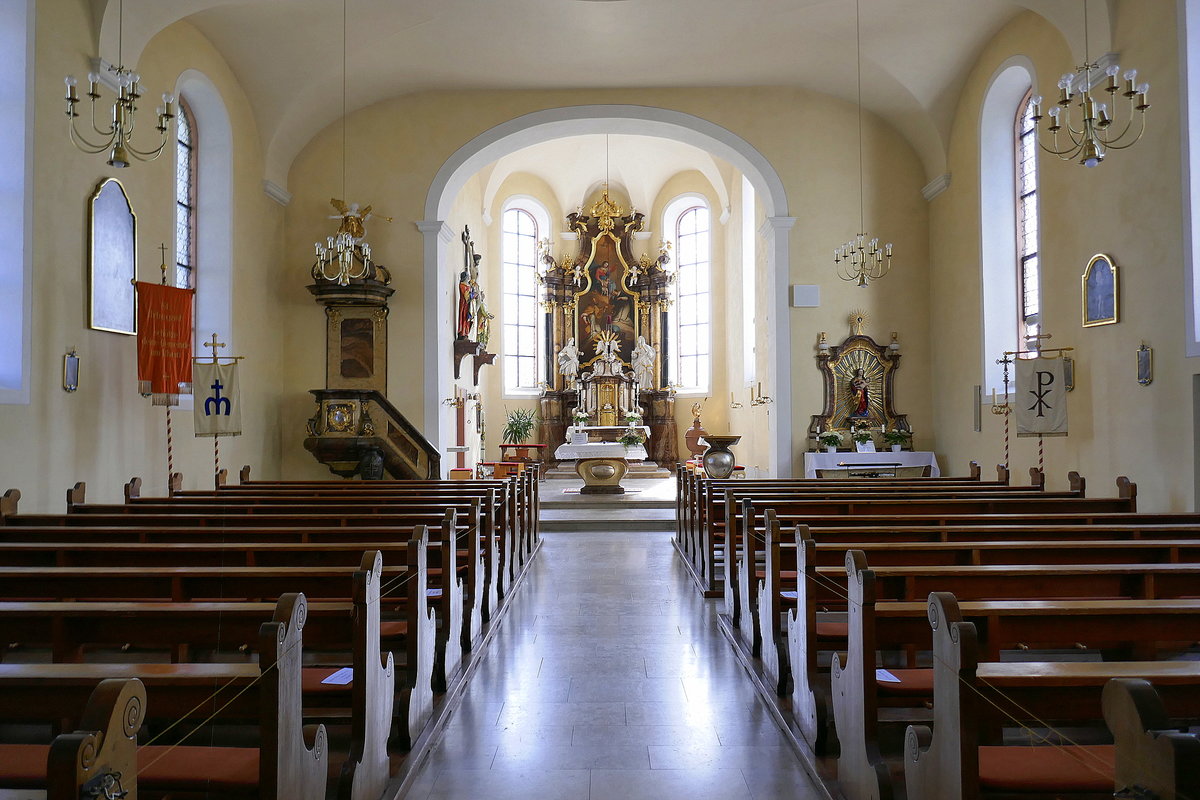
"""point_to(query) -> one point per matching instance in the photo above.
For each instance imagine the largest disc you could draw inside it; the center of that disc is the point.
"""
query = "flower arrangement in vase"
(897, 438)
(864, 442)
(831, 439)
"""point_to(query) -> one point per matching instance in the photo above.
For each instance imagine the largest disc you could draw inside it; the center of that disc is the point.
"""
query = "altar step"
(578, 519)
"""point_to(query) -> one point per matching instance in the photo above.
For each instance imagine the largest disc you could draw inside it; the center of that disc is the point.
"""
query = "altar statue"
(860, 401)
(643, 363)
(353, 220)
(568, 360)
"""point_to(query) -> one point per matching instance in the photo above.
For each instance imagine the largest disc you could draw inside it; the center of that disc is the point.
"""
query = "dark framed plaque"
(1101, 292)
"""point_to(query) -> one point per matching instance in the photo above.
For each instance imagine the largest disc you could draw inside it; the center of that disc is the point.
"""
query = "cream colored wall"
(105, 432)
(467, 212)
(397, 146)
(1128, 207)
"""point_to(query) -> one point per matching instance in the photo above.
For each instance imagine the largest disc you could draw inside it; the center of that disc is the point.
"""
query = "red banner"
(164, 340)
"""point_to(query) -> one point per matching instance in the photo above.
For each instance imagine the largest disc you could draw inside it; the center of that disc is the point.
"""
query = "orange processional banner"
(164, 318)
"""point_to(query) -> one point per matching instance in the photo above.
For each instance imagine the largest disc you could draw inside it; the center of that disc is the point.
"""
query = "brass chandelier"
(116, 138)
(861, 259)
(1089, 142)
(345, 256)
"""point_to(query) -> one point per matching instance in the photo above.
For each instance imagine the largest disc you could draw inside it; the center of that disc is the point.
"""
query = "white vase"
(831, 448)
(896, 448)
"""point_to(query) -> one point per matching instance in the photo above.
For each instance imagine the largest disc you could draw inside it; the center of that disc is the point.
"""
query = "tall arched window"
(521, 311)
(1008, 221)
(185, 198)
(688, 220)
(16, 173)
(1028, 274)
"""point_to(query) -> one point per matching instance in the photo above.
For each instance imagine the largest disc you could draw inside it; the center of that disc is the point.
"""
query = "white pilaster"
(776, 232)
(438, 357)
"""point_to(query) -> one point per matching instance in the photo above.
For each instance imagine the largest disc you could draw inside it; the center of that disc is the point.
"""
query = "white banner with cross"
(218, 407)
(1041, 397)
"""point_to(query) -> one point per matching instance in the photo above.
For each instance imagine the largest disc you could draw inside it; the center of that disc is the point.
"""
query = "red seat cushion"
(912, 682)
(229, 769)
(1047, 769)
(23, 766)
(832, 630)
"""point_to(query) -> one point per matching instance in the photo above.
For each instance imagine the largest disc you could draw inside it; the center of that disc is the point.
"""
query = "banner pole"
(170, 450)
(216, 460)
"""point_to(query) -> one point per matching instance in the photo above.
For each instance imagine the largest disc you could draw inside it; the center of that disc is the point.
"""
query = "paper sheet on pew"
(342, 677)
(885, 676)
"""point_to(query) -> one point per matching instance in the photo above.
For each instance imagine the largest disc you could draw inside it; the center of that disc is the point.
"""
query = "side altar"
(606, 327)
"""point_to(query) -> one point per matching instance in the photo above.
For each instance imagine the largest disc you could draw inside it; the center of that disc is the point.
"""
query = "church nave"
(611, 680)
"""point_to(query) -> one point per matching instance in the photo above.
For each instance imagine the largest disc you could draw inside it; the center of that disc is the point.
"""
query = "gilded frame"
(112, 259)
(1100, 300)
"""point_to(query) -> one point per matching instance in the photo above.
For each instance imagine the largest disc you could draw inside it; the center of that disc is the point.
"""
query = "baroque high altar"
(607, 315)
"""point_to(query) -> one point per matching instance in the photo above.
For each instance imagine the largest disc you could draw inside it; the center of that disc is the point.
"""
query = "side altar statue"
(607, 311)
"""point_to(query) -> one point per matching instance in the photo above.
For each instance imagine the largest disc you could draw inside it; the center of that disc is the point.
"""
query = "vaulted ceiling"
(288, 53)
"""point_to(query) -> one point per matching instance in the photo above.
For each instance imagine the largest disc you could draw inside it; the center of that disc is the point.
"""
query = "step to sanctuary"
(647, 506)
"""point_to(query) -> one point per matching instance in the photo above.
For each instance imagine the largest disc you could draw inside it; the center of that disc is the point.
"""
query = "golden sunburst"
(858, 320)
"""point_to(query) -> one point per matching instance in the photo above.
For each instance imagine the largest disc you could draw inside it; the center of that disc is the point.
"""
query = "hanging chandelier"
(116, 138)
(861, 259)
(1096, 134)
(345, 256)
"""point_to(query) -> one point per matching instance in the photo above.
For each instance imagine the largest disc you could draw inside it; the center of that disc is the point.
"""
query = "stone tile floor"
(610, 679)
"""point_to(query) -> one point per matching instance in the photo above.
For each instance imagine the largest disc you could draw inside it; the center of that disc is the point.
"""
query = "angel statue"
(568, 360)
(606, 347)
(352, 218)
(643, 363)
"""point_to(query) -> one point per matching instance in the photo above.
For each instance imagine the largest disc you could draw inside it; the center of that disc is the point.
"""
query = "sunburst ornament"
(858, 320)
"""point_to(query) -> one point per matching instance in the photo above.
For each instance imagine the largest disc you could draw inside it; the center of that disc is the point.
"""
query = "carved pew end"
(1151, 759)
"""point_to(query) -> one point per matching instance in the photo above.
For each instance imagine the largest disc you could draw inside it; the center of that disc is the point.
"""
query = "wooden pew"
(957, 760)
(287, 764)
(457, 605)
(1151, 756)
(100, 753)
(1031, 544)
(1139, 625)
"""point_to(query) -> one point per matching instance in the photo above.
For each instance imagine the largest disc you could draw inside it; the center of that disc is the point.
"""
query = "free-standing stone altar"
(606, 313)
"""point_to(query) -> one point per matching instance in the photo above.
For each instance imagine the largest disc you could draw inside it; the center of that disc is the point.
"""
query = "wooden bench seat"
(1135, 627)
(287, 764)
(960, 758)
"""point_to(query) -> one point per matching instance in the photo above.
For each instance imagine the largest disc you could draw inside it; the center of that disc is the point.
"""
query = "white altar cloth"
(905, 458)
(571, 452)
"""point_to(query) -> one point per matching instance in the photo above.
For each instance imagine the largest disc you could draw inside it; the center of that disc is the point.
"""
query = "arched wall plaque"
(112, 259)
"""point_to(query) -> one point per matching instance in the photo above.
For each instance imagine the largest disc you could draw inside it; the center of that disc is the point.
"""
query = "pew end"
(8, 504)
(76, 495)
(1127, 490)
(1002, 474)
(104, 745)
(1151, 758)
(221, 478)
(974, 471)
(1037, 478)
(174, 483)
(244, 474)
(133, 489)
(1077, 483)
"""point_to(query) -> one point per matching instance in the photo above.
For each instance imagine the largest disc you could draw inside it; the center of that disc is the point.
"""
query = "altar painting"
(604, 304)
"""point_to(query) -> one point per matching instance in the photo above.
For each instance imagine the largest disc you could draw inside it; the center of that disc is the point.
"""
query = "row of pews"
(954, 638)
(270, 639)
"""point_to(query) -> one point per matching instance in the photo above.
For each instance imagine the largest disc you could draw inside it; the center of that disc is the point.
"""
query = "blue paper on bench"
(342, 677)
(885, 676)
(790, 595)
(433, 592)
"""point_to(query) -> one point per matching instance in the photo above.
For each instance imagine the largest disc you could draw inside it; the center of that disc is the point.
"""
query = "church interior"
(514, 262)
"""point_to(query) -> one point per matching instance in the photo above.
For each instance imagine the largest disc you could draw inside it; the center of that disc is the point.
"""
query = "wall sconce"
(455, 402)
(823, 345)
(71, 370)
(894, 347)
(735, 404)
(761, 399)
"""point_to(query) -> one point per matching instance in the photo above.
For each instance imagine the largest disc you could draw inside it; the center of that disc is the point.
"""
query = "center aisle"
(610, 679)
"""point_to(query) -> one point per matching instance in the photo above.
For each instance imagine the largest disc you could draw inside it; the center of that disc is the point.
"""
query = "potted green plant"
(518, 427)
(831, 439)
(633, 419)
(861, 436)
(897, 438)
(631, 437)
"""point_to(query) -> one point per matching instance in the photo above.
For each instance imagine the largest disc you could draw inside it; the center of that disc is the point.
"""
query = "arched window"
(520, 313)
(204, 207)
(1008, 224)
(185, 198)
(687, 218)
(16, 172)
(1027, 220)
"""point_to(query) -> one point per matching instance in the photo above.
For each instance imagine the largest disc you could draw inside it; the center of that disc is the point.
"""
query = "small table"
(540, 448)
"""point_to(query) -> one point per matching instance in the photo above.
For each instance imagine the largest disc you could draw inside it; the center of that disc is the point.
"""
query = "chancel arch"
(555, 123)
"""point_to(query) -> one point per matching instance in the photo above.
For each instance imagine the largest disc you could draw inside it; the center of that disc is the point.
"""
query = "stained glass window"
(692, 311)
(185, 199)
(1027, 220)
